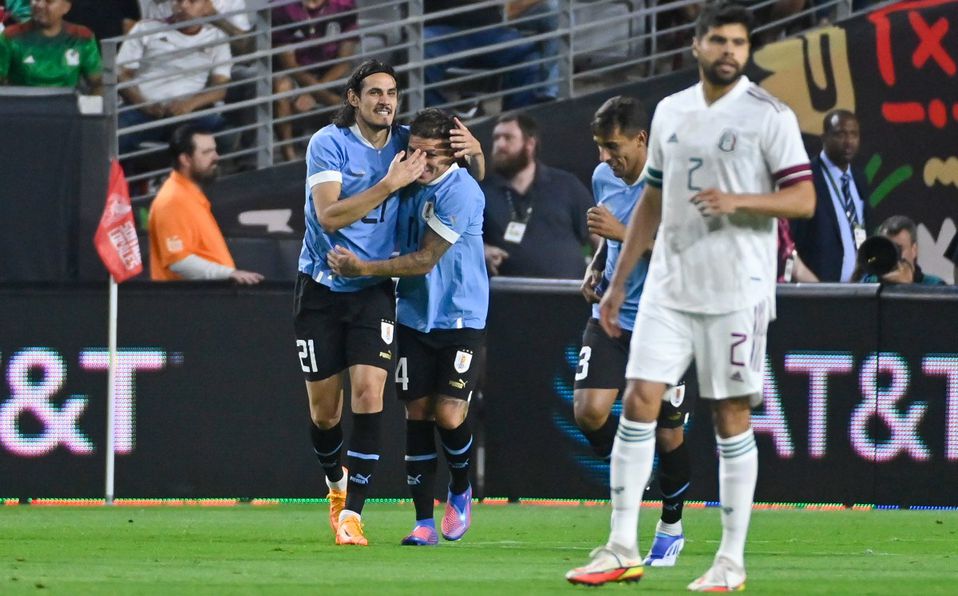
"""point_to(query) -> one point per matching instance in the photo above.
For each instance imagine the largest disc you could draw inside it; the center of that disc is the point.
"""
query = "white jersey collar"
(359, 135)
(740, 87)
(444, 175)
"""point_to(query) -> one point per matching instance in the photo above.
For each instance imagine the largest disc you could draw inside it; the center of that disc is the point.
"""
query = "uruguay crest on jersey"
(386, 330)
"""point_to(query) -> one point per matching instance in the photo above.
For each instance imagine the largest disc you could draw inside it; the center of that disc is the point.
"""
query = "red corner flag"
(115, 238)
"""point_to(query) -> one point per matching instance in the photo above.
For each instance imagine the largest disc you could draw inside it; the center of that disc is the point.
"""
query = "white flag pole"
(111, 393)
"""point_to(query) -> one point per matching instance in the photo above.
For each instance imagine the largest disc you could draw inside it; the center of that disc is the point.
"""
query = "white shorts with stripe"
(729, 349)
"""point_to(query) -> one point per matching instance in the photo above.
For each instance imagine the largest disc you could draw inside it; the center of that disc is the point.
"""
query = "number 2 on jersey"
(694, 164)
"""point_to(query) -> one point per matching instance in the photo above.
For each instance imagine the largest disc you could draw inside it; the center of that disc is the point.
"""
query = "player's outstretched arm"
(334, 213)
(639, 235)
(344, 262)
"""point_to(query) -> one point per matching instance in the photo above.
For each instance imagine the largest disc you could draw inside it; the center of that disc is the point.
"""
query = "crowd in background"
(55, 43)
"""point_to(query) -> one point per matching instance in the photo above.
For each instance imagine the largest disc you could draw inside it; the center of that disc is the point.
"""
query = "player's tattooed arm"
(344, 262)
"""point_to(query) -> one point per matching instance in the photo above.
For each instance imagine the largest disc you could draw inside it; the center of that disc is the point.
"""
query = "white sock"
(340, 484)
(669, 529)
(347, 513)
(738, 471)
(632, 453)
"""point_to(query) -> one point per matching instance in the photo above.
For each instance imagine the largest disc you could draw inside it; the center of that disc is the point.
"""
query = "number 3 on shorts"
(402, 374)
(583, 369)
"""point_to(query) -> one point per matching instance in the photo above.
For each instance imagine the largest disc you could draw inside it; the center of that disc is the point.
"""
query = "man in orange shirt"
(185, 240)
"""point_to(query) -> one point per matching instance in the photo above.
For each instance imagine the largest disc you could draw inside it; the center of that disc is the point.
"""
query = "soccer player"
(725, 159)
(620, 130)
(443, 298)
(355, 166)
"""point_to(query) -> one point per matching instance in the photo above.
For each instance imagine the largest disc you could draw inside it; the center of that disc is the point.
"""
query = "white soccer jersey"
(746, 142)
(170, 63)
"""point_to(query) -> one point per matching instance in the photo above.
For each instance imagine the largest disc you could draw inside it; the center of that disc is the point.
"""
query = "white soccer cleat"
(723, 576)
(607, 564)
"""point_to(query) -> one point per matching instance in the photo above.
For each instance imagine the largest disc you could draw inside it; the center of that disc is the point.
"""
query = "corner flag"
(115, 238)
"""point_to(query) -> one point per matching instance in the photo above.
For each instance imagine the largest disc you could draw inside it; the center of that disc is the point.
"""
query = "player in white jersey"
(725, 159)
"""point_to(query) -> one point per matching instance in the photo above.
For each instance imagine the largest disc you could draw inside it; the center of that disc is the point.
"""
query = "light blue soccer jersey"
(621, 199)
(455, 294)
(344, 155)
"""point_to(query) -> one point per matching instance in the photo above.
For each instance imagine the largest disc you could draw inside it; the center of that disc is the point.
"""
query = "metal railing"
(596, 44)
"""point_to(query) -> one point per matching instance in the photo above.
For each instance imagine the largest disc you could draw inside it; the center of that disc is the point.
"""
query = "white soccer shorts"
(729, 349)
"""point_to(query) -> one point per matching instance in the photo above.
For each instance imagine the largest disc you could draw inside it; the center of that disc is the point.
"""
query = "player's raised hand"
(405, 170)
(712, 201)
(602, 223)
(344, 262)
(463, 143)
(589, 284)
(609, 310)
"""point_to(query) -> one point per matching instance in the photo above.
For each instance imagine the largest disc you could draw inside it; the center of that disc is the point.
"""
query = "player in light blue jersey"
(620, 130)
(443, 299)
(355, 167)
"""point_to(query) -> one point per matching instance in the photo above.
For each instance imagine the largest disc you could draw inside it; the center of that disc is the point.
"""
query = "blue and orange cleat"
(424, 534)
(458, 516)
(607, 565)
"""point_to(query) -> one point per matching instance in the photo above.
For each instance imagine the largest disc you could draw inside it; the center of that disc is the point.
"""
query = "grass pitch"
(510, 550)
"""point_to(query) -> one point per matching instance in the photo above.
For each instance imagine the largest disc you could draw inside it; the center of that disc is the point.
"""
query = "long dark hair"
(346, 115)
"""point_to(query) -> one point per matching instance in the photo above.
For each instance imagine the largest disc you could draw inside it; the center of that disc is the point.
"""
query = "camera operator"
(903, 234)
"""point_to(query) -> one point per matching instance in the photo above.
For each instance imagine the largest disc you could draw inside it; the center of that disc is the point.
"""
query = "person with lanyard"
(828, 243)
(535, 224)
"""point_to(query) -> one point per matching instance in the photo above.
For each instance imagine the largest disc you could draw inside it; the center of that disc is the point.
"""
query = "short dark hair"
(896, 223)
(432, 123)
(622, 112)
(842, 115)
(181, 141)
(717, 14)
(346, 115)
(526, 123)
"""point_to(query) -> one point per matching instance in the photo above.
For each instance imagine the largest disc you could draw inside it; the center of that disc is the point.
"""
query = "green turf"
(511, 550)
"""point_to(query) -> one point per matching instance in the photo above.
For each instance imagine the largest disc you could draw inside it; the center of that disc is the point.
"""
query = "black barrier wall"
(861, 397)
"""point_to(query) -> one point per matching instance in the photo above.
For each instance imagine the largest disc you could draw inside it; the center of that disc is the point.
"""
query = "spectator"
(232, 26)
(547, 12)
(47, 51)
(181, 69)
(901, 230)
(829, 241)
(295, 23)
(791, 268)
(535, 215)
(185, 241)
(106, 18)
(459, 31)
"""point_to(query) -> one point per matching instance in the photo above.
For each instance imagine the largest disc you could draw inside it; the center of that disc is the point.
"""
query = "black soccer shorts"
(441, 362)
(602, 362)
(336, 330)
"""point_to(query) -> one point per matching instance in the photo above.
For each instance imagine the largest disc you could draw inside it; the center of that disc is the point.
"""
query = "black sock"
(361, 459)
(421, 461)
(675, 471)
(601, 438)
(457, 443)
(328, 447)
